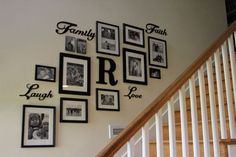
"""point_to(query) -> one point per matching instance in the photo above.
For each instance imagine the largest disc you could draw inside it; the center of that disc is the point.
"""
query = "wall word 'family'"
(40, 96)
(132, 93)
(150, 28)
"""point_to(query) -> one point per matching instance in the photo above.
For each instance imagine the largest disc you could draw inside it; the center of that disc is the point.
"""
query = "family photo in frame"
(73, 44)
(45, 73)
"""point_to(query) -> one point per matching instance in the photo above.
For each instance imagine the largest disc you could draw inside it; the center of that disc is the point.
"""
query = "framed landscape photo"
(108, 39)
(73, 110)
(134, 66)
(157, 52)
(107, 99)
(74, 74)
(133, 35)
(45, 73)
(155, 73)
(38, 127)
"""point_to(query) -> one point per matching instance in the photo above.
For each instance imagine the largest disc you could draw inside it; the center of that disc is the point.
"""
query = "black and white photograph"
(107, 99)
(38, 128)
(73, 110)
(133, 35)
(115, 130)
(81, 46)
(157, 52)
(155, 73)
(45, 73)
(134, 66)
(108, 39)
(70, 43)
(74, 74)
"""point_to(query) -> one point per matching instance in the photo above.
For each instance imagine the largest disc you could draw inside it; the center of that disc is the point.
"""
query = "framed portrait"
(70, 43)
(108, 39)
(157, 52)
(45, 73)
(74, 74)
(73, 110)
(133, 35)
(134, 66)
(115, 130)
(155, 73)
(81, 46)
(107, 99)
(38, 127)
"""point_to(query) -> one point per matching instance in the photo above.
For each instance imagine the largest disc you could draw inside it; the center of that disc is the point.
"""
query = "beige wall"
(27, 37)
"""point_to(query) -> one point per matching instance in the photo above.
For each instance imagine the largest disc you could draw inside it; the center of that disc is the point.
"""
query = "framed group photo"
(73, 110)
(38, 126)
(107, 99)
(108, 39)
(74, 74)
(45, 73)
(155, 73)
(133, 35)
(157, 52)
(134, 66)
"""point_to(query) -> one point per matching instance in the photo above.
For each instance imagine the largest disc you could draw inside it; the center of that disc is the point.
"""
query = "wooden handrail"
(161, 100)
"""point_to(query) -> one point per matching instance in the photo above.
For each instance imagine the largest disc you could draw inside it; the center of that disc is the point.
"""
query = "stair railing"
(220, 53)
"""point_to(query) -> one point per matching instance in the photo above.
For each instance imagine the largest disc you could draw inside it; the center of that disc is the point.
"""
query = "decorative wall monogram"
(150, 28)
(40, 96)
(132, 93)
(64, 27)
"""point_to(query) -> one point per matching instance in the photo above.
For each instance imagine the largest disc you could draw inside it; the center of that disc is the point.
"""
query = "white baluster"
(214, 122)
(159, 135)
(193, 103)
(220, 95)
(228, 92)
(232, 65)
(145, 141)
(171, 122)
(130, 148)
(205, 129)
(184, 127)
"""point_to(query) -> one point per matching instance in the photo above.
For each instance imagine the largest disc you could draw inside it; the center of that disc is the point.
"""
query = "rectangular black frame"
(45, 73)
(39, 125)
(77, 80)
(108, 39)
(134, 66)
(76, 110)
(108, 104)
(133, 35)
(155, 73)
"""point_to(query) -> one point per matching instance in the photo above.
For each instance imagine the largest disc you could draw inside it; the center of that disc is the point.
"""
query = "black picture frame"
(107, 99)
(45, 73)
(157, 49)
(74, 74)
(134, 67)
(73, 110)
(155, 73)
(108, 38)
(38, 126)
(70, 43)
(133, 35)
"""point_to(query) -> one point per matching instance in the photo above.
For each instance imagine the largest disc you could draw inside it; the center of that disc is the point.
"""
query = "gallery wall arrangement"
(38, 122)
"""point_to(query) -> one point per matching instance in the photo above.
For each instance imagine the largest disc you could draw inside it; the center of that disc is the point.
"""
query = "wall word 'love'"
(132, 93)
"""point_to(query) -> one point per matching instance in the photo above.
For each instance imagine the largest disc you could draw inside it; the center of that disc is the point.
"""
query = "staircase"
(194, 116)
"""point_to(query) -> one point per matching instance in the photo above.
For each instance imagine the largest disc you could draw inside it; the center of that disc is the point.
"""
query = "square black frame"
(38, 127)
(76, 115)
(108, 106)
(133, 35)
(74, 81)
(130, 69)
(155, 73)
(45, 73)
(110, 41)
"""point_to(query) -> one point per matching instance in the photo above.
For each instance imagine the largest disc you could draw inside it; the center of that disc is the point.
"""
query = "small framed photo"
(157, 52)
(45, 73)
(81, 46)
(134, 66)
(115, 130)
(133, 35)
(108, 99)
(73, 110)
(155, 73)
(74, 74)
(70, 43)
(108, 40)
(38, 129)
